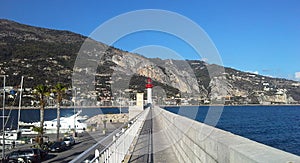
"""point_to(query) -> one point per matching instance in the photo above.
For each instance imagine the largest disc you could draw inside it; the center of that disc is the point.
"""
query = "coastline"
(232, 105)
(65, 107)
(109, 107)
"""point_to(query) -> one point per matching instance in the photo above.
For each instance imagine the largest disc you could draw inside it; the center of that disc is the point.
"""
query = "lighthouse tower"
(149, 87)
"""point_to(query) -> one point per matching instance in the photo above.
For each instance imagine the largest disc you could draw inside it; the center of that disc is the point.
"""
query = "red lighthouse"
(149, 87)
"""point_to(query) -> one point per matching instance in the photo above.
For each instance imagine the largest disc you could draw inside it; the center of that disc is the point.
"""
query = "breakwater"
(275, 126)
(193, 141)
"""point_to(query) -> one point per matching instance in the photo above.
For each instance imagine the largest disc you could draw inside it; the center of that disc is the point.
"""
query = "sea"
(276, 126)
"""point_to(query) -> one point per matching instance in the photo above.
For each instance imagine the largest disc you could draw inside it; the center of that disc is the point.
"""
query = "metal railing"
(117, 150)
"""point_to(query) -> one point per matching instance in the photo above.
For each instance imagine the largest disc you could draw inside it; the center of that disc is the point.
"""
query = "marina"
(67, 123)
(83, 142)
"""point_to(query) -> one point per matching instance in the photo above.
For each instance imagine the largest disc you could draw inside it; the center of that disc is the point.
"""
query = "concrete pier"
(193, 141)
(142, 151)
(167, 137)
(152, 144)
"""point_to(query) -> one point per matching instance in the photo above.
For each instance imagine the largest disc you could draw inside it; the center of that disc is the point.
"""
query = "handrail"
(81, 157)
(110, 152)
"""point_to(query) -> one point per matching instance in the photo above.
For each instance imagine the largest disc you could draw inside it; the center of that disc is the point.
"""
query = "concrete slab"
(162, 146)
(142, 150)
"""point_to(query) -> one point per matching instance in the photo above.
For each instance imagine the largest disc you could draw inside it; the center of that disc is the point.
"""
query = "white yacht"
(66, 125)
(10, 136)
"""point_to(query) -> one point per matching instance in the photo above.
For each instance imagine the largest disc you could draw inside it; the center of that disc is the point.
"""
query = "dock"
(156, 135)
(152, 144)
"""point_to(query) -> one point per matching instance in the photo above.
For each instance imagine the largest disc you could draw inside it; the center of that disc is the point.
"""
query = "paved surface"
(162, 148)
(143, 148)
(83, 142)
(152, 144)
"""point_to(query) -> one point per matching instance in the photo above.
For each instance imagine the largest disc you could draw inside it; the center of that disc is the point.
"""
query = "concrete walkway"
(152, 144)
(143, 148)
(162, 148)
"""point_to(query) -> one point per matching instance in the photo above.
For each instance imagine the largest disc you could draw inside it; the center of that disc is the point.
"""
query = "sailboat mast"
(20, 103)
(3, 112)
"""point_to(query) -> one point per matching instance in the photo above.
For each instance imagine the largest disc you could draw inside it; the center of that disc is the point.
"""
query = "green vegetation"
(59, 91)
(42, 91)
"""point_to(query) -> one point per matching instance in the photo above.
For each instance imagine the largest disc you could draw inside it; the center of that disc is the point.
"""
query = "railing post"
(106, 155)
(97, 154)
(101, 159)
(110, 151)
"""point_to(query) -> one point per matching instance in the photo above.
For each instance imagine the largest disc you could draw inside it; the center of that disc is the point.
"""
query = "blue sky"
(251, 35)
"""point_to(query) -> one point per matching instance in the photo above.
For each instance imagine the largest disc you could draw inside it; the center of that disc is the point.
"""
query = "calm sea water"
(276, 126)
(33, 115)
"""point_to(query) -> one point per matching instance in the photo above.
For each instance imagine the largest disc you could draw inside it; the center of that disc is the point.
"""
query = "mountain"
(46, 56)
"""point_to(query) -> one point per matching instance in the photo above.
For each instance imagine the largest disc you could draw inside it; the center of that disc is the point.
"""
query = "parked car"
(69, 140)
(43, 153)
(12, 156)
(33, 155)
(58, 146)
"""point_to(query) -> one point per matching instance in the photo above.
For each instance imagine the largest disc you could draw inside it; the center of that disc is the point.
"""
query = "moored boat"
(74, 122)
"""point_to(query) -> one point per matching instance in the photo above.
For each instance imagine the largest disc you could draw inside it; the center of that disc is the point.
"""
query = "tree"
(59, 90)
(42, 92)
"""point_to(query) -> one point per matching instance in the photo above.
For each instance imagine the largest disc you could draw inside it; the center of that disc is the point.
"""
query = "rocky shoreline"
(108, 118)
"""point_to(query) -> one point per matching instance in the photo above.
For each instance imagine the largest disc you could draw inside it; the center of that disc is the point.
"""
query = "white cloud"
(297, 75)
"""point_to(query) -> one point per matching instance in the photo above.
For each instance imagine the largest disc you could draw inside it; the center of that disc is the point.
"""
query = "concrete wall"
(193, 141)
(134, 111)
